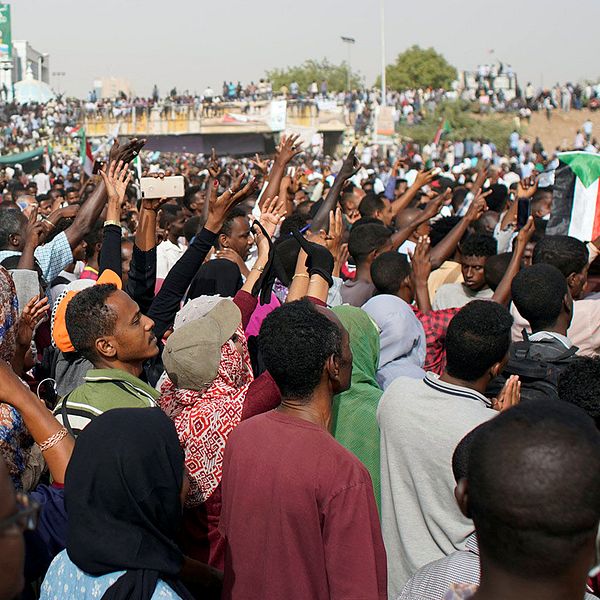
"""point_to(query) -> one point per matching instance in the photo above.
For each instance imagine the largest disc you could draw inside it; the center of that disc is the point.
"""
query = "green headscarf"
(355, 411)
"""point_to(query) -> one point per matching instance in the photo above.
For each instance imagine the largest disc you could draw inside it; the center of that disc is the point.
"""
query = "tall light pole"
(382, 26)
(349, 41)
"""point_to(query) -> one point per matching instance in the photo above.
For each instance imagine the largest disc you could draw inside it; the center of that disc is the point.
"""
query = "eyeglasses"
(26, 517)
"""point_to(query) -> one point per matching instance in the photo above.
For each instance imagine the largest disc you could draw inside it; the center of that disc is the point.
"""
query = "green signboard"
(5, 32)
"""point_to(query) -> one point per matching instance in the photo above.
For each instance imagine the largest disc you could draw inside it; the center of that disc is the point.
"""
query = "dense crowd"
(306, 378)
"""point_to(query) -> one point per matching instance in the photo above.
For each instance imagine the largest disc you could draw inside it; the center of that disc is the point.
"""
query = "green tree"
(463, 123)
(419, 68)
(314, 70)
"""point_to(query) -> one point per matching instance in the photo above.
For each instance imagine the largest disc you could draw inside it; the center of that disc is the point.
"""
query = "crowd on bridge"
(310, 376)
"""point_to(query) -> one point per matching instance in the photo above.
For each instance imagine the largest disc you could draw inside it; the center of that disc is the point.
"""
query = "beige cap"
(193, 351)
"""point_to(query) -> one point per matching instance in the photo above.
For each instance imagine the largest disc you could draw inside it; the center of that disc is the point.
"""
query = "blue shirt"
(65, 581)
(52, 257)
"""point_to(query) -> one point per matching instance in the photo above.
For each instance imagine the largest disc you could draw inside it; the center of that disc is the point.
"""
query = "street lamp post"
(382, 27)
(349, 41)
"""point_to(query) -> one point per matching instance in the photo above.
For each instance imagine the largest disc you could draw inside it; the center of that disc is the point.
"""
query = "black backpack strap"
(65, 416)
(566, 354)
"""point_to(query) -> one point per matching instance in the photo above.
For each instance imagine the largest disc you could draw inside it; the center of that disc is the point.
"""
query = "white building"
(24, 58)
(25, 55)
(112, 87)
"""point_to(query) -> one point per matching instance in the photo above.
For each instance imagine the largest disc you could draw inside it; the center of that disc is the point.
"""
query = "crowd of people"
(306, 378)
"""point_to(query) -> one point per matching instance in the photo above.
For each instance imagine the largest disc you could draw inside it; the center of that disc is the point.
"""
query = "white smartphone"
(167, 187)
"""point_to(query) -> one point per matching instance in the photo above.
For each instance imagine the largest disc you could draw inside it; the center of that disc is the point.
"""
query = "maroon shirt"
(299, 517)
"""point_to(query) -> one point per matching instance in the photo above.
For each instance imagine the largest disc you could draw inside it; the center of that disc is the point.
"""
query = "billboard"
(5, 33)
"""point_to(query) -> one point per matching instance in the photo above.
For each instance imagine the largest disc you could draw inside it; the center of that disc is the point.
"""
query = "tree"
(419, 68)
(462, 122)
(314, 70)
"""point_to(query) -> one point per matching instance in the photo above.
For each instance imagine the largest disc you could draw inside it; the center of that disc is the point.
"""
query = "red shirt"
(299, 516)
(435, 323)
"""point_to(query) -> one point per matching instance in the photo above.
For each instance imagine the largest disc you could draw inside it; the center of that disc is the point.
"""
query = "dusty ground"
(561, 129)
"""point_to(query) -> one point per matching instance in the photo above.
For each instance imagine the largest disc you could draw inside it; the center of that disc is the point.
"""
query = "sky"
(192, 43)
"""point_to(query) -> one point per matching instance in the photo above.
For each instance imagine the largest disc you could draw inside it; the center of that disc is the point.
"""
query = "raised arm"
(287, 149)
(35, 310)
(447, 245)
(431, 210)
(92, 208)
(423, 178)
(35, 234)
(116, 178)
(48, 433)
(350, 167)
(166, 303)
(502, 293)
(420, 271)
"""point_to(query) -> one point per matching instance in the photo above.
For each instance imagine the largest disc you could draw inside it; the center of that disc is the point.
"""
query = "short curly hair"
(366, 238)
(568, 254)
(88, 318)
(388, 271)
(479, 244)
(478, 337)
(538, 293)
(295, 341)
(579, 384)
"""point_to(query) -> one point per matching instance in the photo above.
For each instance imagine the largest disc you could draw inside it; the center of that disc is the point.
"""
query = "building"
(25, 59)
(112, 87)
(24, 55)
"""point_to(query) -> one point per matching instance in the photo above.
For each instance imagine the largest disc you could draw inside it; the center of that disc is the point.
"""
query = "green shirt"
(104, 389)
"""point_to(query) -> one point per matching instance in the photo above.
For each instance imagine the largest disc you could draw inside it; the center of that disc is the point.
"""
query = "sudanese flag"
(576, 198)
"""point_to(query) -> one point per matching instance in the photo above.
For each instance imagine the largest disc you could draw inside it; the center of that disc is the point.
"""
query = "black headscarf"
(218, 277)
(122, 494)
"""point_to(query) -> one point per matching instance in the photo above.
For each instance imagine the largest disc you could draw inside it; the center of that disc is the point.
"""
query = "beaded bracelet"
(61, 434)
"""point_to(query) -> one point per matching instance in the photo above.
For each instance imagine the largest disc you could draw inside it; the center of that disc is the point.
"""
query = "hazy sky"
(192, 43)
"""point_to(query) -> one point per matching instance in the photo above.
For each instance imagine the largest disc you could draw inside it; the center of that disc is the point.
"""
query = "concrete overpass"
(238, 128)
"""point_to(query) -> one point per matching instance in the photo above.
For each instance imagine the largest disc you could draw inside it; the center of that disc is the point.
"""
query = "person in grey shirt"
(535, 550)
(474, 251)
(421, 422)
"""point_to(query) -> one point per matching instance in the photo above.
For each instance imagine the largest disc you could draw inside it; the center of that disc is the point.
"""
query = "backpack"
(538, 368)
(12, 262)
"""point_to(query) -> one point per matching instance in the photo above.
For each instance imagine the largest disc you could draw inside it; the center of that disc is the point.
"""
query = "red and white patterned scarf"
(204, 420)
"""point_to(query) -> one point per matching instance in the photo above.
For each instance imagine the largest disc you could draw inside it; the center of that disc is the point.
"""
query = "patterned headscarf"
(15, 441)
(204, 420)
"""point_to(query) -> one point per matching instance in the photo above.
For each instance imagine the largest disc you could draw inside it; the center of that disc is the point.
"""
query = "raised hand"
(288, 148)
(219, 206)
(35, 310)
(423, 178)
(350, 166)
(340, 259)
(214, 167)
(333, 237)
(36, 231)
(433, 207)
(478, 206)
(421, 260)
(528, 186)
(127, 152)
(116, 178)
(261, 165)
(273, 212)
(526, 233)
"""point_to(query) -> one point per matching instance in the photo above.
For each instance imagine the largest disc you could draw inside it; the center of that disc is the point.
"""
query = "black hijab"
(218, 277)
(122, 494)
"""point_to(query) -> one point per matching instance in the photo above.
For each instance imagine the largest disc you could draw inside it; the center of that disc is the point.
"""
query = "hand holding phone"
(162, 187)
(523, 212)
